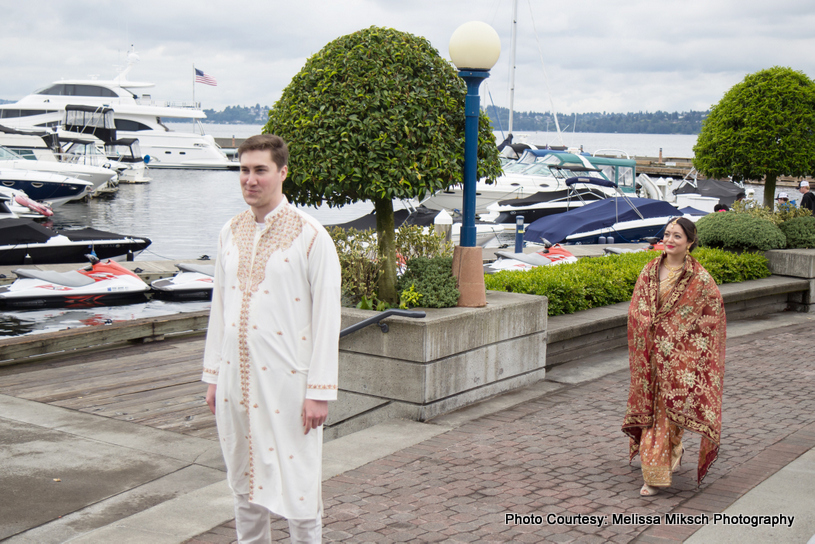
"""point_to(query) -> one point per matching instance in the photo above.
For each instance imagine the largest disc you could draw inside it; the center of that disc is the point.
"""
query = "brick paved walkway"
(564, 454)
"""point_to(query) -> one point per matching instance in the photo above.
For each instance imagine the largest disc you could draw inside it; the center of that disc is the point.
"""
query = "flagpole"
(193, 94)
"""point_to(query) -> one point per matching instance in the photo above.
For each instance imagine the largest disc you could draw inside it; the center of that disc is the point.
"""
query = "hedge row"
(601, 281)
(749, 227)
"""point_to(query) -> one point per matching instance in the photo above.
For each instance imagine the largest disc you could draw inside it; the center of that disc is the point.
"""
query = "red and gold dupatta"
(676, 350)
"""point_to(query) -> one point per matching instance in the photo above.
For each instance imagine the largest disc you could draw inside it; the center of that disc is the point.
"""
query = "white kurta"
(272, 342)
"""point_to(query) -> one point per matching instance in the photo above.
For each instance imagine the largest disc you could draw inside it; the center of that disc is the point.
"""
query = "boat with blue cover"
(623, 219)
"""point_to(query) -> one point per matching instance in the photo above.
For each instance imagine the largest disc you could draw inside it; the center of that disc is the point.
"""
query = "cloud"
(598, 55)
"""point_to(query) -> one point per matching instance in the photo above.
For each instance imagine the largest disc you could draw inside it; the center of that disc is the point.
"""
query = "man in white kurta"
(272, 348)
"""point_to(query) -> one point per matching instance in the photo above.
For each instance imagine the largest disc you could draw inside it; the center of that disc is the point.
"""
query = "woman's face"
(675, 240)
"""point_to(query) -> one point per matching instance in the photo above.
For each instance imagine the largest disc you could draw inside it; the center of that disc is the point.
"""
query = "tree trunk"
(386, 245)
(769, 190)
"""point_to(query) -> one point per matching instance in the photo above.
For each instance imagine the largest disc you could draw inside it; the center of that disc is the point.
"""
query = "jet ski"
(194, 281)
(101, 283)
(550, 255)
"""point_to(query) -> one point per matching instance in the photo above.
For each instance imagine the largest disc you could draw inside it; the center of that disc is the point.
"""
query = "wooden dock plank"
(12, 350)
(157, 385)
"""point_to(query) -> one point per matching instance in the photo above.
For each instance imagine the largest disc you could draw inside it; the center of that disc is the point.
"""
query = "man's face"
(803, 190)
(261, 181)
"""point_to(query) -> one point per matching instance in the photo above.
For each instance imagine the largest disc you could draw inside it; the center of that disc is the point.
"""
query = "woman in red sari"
(676, 344)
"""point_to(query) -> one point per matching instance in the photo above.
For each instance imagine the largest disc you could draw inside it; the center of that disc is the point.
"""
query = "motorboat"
(193, 281)
(31, 152)
(101, 283)
(541, 173)
(578, 180)
(135, 116)
(486, 232)
(89, 135)
(53, 189)
(24, 241)
(620, 219)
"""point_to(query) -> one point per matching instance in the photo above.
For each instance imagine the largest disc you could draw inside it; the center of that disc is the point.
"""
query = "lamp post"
(474, 49)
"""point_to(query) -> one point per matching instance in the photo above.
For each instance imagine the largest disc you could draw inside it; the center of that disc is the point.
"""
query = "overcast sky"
(599, 55)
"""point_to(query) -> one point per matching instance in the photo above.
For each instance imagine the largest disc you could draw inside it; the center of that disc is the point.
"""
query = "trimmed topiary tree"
(377, 115)
(762, 128)
(740, 231)
(800, 232)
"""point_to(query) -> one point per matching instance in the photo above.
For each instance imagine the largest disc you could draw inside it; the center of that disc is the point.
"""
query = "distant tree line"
(658, 122)
(251, 115)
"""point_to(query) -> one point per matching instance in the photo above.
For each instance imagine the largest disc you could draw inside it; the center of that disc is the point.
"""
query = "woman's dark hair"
(689, 228)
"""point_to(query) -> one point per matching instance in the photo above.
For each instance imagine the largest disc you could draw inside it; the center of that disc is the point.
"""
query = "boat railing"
(79, 158)
(378, 319)
(168, 104)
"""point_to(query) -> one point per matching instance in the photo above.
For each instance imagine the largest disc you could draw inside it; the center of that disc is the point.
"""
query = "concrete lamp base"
(468, 268)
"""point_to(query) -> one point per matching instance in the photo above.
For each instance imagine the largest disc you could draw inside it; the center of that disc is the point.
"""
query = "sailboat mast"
(512, 63)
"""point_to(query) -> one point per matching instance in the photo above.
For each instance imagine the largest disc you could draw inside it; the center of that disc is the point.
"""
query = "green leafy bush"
(415, 241)
(740, 231)
(777, 217)
(356, 250)
(361, 268)
(432, 279)
(594, 282)
(800, 231)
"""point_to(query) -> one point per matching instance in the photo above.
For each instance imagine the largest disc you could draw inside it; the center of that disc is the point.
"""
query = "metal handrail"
(378, 320)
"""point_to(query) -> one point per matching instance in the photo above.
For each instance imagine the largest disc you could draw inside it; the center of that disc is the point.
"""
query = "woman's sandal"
(648, 491)
(676, 462)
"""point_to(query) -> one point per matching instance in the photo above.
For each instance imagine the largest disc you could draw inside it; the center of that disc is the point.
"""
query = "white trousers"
(253, 526)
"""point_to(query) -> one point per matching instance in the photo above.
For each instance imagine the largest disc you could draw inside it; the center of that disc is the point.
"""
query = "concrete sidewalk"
(550, 448)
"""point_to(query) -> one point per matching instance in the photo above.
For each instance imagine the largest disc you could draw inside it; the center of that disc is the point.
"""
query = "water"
(640, 145)
(182, 212)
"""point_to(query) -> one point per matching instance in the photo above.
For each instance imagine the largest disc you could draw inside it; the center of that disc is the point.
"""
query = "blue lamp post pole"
(474, 49)
(472, 111)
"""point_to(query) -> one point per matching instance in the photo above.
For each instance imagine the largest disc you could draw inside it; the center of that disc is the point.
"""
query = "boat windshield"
(538, 169)
(515, 167)
(551, 158)
(8, 155)
(621, 175)
(68, 89)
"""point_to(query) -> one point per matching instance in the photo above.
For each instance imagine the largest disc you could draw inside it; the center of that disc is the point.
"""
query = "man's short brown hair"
(267, 142)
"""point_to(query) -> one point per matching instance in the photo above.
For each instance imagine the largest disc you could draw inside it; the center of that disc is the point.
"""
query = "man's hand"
(314, 414)
(211, 397)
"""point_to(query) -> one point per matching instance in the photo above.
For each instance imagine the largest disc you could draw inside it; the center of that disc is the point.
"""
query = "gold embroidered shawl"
(676, 350)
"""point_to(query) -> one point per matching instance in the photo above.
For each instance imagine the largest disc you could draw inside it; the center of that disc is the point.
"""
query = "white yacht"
(136, 116)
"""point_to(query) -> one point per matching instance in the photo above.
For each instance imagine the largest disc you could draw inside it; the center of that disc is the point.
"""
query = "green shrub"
(432, 279)
(777, 217)
(594, 282)
(361, 269)
(356, 250)
(729, 267)
(740, 231)
(800, 231)
(415, 241)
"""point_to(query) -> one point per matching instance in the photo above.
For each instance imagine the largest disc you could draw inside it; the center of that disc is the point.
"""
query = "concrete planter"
(796, 263)
(425, 367)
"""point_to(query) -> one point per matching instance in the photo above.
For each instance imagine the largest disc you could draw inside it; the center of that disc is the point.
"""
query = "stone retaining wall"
(425, 367)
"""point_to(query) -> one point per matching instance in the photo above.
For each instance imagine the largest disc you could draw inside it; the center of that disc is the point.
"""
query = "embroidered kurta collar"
(270, 217)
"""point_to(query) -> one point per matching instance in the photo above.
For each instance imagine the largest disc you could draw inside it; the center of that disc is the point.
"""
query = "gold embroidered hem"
(657, 476)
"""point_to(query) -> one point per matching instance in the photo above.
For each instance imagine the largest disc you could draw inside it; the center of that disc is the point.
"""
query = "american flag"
(201, 77)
